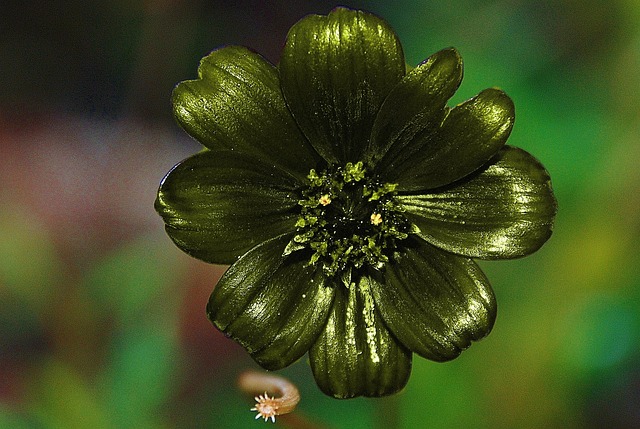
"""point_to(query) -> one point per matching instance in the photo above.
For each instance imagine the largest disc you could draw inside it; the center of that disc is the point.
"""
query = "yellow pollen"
(376, 218)
(325, 200)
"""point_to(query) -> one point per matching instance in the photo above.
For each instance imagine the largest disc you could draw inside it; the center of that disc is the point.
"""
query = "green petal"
(415, 108)
(336, 71)
(505, 211)
(471, 134)
(356, 355)
(237, 104)
(434, 302)
(274, 308)
(218, 205)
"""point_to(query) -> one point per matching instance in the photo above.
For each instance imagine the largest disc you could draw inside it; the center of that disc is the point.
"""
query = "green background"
(102, 321)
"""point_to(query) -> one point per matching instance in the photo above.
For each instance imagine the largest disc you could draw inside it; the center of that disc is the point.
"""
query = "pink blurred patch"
(92, 182)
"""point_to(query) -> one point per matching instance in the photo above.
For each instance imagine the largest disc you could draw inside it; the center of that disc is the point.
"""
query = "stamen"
(325, 200)
(341, 220)
(376, 219)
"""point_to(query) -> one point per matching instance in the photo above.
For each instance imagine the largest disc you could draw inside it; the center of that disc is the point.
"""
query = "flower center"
(347, 221)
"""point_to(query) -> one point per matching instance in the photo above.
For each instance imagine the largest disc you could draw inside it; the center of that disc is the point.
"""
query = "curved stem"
(285, 395)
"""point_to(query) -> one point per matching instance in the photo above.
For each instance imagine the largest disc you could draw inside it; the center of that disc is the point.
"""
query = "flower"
(349, 200)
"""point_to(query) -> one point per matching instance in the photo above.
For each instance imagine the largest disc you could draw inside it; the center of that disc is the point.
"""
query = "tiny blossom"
(266, 407)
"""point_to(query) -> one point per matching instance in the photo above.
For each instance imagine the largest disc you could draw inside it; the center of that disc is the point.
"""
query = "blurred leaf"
(136, 286)
(231, 410)
(141, 377)
(599, 333)
(62, 399)
(445, 395)
(29, 270)
(13, 420)
(28, 264)
(136, 279)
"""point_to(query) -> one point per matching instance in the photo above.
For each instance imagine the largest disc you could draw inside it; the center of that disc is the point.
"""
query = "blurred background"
(102, 321)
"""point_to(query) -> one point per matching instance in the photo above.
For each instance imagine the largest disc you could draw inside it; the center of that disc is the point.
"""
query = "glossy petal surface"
(504, 211)
(415, 108)
(349, 199)
(471, 134)
(237, 104)
(355, 354)
(218, 205)
(434, 302)
(274, 309)
(336, 71)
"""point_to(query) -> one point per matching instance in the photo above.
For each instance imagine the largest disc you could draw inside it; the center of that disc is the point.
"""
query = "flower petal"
(218, 205)
(274, 308)
(237, 104)
(434, 302)
(505, 211)
(356, 355)
(415, 108)
(471, 134)
(336, 71)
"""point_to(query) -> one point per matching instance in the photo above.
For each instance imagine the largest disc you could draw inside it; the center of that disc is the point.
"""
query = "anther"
(376, 219)
(325, 200)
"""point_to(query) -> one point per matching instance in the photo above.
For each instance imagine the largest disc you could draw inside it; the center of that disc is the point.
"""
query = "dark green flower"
(349, 200)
